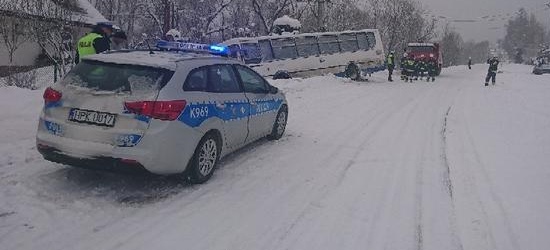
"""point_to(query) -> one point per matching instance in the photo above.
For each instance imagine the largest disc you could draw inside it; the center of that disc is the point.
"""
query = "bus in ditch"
(353, 54)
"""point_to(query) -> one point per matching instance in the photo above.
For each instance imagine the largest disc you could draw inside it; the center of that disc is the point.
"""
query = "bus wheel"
(353, 71)
(282, 74)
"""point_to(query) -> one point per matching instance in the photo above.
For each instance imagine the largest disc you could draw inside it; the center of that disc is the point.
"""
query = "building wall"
(25, 55)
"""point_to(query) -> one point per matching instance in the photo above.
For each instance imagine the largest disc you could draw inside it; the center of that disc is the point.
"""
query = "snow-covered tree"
(401, 22)
(524, 34)
(451, 43)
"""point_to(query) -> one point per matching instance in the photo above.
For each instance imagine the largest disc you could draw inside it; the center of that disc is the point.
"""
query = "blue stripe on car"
(50, 105)
(196, 113)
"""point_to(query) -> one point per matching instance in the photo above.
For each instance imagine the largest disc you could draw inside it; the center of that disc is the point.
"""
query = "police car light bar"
(192, 47)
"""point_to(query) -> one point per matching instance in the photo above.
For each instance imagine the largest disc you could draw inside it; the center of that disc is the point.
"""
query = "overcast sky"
(474, 10)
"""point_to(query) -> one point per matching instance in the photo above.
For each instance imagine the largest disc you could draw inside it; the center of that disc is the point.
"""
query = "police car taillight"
(51, 95)
(162, 110)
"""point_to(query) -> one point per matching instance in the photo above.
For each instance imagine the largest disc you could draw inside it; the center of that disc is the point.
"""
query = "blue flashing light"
(192, 47)
(217, 48)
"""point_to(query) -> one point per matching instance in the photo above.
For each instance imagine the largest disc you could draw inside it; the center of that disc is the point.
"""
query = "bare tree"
(401, 22)
(14, 31)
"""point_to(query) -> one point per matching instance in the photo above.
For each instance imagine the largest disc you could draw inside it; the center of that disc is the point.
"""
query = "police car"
(176, 109)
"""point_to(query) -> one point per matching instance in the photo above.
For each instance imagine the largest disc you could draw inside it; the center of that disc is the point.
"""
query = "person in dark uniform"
(402, 62)
(421, 67)
(493, 68)
(390, 62)
(469, 62)
(432, 69)
(410, 68)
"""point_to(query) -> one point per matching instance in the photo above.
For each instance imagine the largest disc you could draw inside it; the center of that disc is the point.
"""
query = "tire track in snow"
(447, 176)
(495, 199)
(448, 182)
(371, 126)
(391, 191)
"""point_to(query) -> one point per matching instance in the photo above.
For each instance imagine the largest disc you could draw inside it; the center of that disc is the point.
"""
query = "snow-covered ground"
(446, 165)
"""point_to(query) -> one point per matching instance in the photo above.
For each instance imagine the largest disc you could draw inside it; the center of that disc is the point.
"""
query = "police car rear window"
(102, 76)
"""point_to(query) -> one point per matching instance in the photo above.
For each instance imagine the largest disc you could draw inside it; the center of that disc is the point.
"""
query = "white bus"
(308, 54)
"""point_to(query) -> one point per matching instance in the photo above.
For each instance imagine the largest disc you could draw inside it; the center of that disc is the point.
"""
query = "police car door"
(263, 106)
(231, 105)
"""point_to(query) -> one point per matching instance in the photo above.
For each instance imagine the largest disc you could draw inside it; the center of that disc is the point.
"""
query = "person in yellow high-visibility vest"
(94, 42)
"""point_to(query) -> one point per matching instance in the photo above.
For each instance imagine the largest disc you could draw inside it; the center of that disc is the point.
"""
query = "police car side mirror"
(273, 90)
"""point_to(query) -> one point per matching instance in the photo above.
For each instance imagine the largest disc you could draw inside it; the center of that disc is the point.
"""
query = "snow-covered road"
(446, 165)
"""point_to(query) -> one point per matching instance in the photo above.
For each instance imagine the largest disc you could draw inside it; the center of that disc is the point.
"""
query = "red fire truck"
(428, 50)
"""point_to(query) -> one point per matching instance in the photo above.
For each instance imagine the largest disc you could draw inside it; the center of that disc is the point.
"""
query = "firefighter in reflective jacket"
(410, 68)
(432, 69)
(94, 42)
(421, 67)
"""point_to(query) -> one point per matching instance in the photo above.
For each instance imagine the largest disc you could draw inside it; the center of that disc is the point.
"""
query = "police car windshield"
(102, 76)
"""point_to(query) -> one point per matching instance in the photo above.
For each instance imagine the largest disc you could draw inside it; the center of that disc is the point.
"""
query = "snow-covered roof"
(255, 39)
(90, 14)
(286, 20)
(79, 11)
(160, 59)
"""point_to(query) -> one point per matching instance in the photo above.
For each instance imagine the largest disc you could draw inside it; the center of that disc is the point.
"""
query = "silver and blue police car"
(170, 111)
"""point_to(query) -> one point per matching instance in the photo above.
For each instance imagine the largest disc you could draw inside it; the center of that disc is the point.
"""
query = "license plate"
(92, 117)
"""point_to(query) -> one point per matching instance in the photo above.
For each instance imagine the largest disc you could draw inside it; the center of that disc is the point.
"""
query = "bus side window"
(348, 42)
(307, 46)
(284, 48)
(328, 44)
(234, 51)
(372, 40)
(252, 54)
(362, 41)
(266, 50)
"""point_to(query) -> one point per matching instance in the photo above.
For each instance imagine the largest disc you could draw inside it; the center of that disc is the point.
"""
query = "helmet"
(392, 52)
(405, 54)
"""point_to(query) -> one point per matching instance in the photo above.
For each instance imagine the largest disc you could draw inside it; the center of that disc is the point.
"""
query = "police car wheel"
(204, 160)
(279, 126)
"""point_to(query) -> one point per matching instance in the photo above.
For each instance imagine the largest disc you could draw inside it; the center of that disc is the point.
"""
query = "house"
(22, 21)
